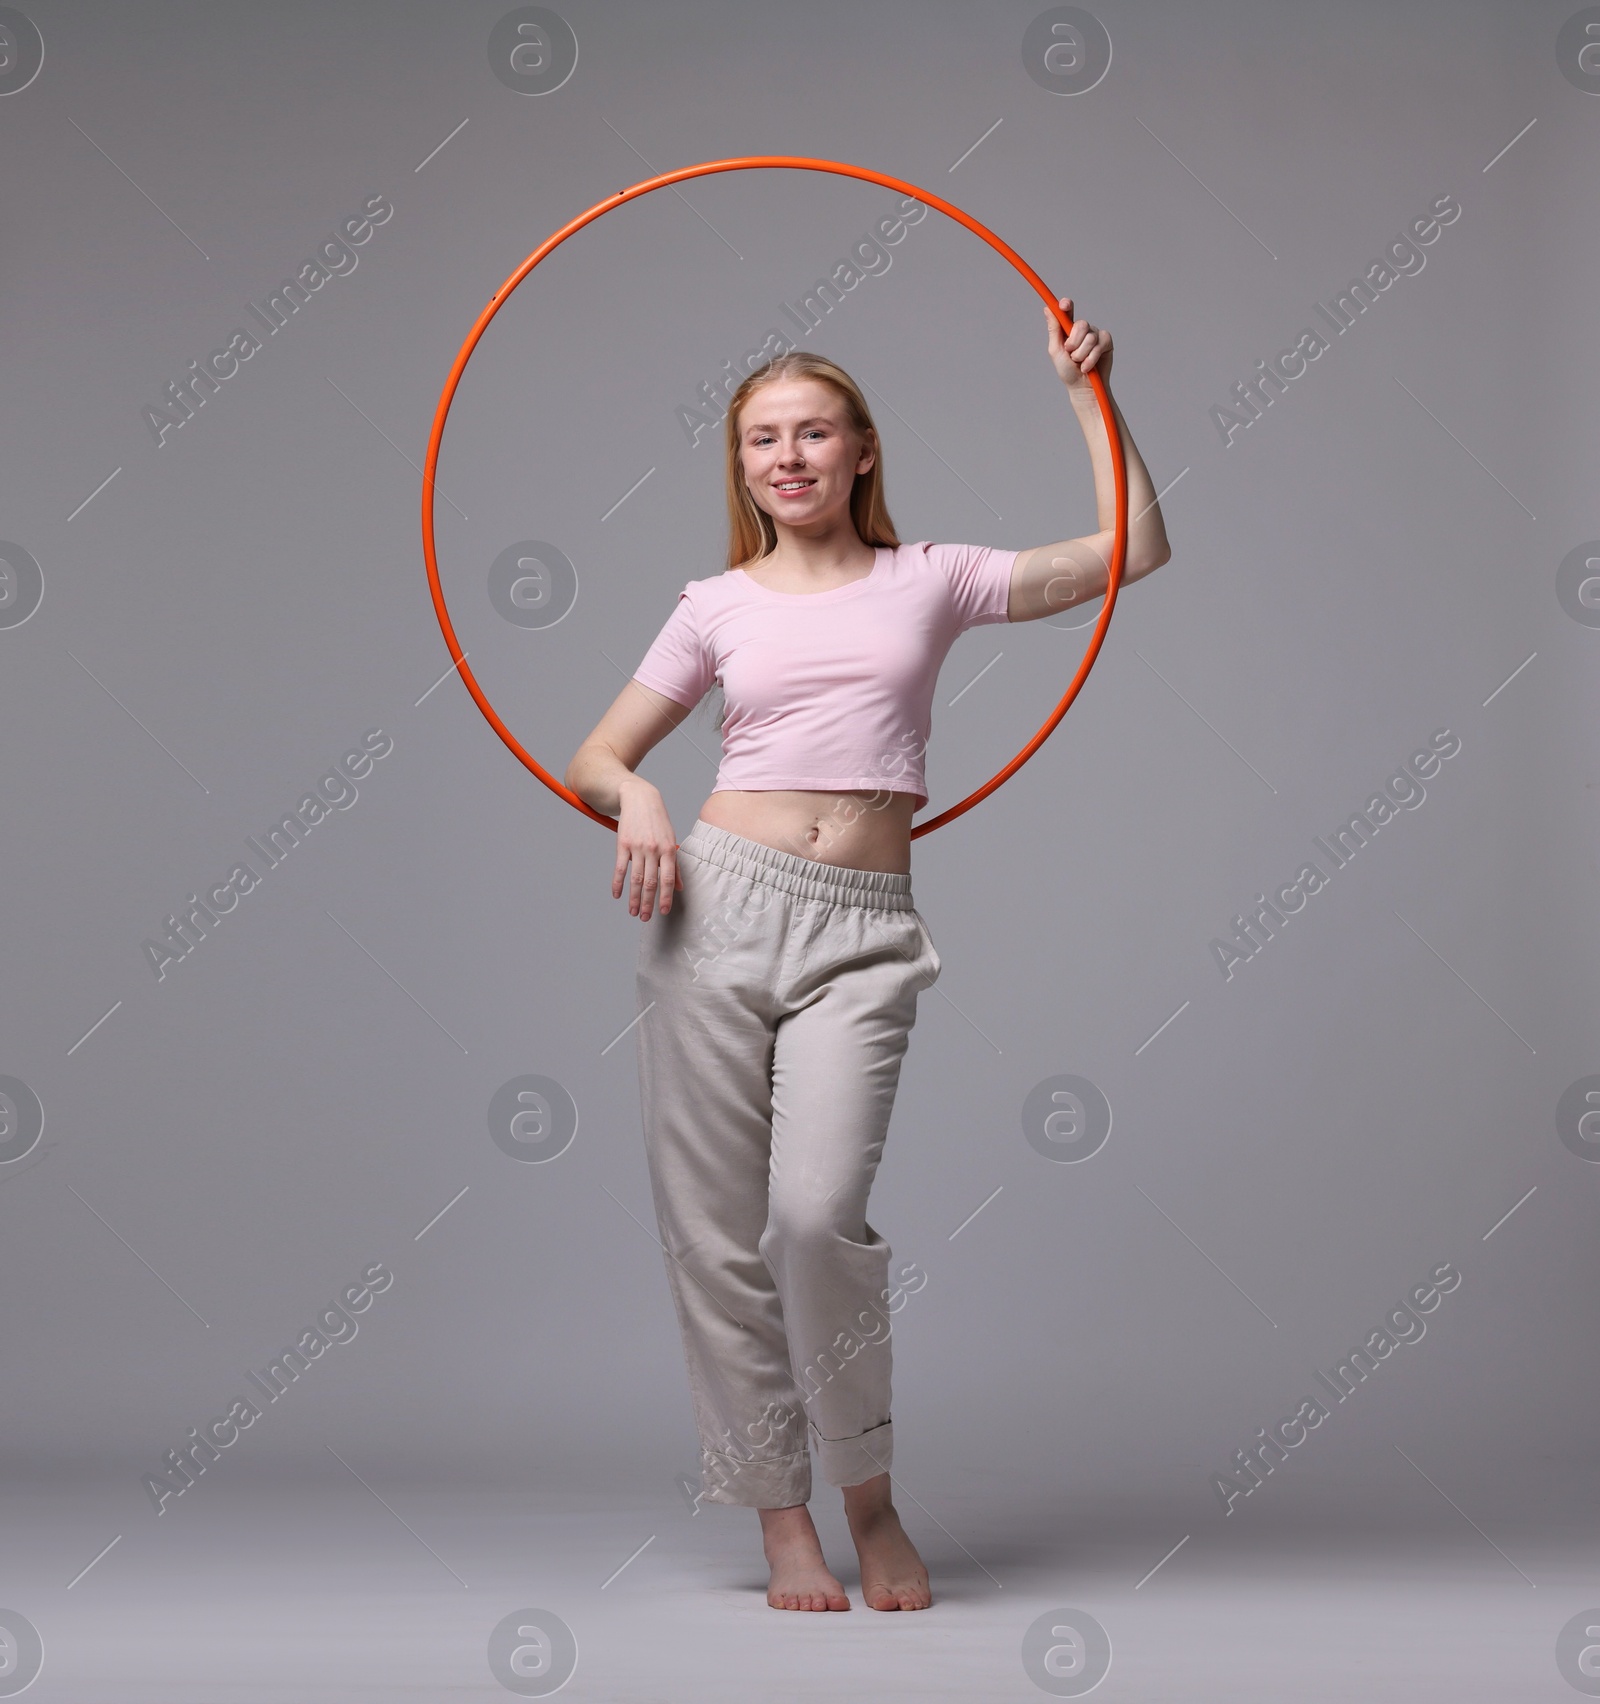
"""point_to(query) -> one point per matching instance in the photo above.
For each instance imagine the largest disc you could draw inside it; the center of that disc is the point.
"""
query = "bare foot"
(892, 1574)
(800, 1576)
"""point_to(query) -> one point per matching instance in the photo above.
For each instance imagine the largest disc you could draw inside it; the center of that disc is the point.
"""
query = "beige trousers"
(778, 996)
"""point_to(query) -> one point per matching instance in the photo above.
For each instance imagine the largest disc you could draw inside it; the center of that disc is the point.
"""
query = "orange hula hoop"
(756, 162)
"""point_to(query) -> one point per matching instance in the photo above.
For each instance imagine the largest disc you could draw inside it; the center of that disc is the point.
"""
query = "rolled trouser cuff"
(848, 1461)
(776, 1482)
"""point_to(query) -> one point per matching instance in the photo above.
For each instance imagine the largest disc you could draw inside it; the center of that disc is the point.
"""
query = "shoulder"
(695, 590)
(705, 599)
(947, 555)
(933, 553)
(958, 561)
(924, 558)
(706, 591)
(911, 558)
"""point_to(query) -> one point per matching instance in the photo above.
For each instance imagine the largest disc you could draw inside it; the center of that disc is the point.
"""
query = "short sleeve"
(979, 578)
(676, 663)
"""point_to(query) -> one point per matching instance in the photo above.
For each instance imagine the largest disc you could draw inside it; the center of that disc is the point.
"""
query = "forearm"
(599, 777)
(1147, 533)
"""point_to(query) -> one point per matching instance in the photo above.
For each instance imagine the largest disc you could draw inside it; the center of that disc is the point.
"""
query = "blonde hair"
(751, 533)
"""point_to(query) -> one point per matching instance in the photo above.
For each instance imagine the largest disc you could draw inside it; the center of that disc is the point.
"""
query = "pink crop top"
(828, 689)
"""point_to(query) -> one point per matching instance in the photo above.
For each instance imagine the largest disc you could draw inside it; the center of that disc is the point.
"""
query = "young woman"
(779, 992)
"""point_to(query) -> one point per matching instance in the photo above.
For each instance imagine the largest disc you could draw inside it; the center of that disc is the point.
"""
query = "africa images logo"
(334, 258)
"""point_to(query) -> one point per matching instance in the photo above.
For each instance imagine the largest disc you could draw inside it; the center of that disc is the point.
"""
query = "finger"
(620, 874)
(669, 880)
(651, 882)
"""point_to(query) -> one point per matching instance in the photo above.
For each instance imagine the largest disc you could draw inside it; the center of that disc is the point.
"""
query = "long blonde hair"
(751, 533)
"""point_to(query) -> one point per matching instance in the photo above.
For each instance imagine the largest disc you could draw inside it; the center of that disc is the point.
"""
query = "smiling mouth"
(791, 487)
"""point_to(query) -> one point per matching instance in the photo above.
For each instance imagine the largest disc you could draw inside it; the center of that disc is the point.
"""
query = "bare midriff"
(859, 831)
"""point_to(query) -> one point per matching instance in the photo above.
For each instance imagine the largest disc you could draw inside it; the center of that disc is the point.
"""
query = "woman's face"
(799, 454)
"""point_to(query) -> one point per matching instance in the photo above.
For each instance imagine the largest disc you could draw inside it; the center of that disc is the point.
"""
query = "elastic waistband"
(792, 872)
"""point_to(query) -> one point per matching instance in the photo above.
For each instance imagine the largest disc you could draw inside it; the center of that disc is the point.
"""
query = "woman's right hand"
(645, 839)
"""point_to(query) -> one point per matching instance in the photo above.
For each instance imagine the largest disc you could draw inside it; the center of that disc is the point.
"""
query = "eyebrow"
(810, 420)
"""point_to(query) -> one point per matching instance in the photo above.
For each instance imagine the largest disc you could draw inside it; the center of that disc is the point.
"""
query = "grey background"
(1367, 563)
